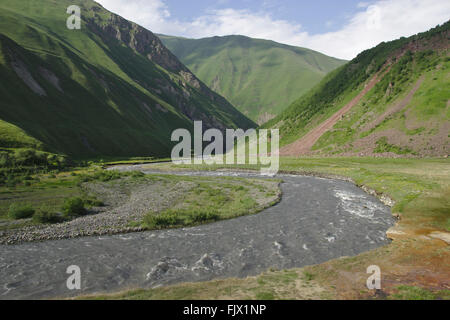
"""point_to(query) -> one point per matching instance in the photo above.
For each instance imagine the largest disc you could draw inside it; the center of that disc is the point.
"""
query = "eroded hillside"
(392, 100)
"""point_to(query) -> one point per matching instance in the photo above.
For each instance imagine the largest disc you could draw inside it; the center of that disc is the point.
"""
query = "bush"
(92, 202)
(137, 174)
(27, 157)
(162, 220)
(74, 207)
(5, 160)
(109, 175)
(20, 211)
(46, 216)
(30, 157)
(204, 216)
(384, 146)
(11, 181)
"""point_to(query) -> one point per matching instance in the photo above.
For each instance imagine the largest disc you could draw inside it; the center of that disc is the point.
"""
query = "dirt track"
(304, 144)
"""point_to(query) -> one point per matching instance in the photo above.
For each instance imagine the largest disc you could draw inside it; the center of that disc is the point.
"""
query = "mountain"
(392, 100)
(109, 89)
(261, 78)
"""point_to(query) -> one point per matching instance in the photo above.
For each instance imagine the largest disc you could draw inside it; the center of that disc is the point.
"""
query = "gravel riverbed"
(316, 220)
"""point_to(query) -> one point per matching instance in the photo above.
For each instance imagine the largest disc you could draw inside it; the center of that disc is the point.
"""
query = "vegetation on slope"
(261, 78)
(109, 89)
(417, 123)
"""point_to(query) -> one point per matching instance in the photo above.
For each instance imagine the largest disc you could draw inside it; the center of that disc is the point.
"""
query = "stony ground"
(127, 201)
(315, 221)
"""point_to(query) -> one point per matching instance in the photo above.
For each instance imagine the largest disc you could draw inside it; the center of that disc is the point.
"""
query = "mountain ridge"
(109, 89)
(260, 77)
(406, 113)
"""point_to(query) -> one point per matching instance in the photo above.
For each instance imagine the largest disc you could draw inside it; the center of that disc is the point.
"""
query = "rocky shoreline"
(126, 204)
(117, 217)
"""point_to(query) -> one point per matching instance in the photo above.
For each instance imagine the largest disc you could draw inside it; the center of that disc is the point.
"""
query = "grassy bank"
(96, 202)
(209, 199)
(414, 266)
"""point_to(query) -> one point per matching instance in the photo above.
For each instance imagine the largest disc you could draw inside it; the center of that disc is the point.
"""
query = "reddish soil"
(304, 144)
(397, 108)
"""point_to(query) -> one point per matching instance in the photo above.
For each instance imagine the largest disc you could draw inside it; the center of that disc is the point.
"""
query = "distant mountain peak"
(260, 77)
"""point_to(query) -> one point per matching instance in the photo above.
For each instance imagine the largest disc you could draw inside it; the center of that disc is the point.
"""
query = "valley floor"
(129, 202)
(414, 266)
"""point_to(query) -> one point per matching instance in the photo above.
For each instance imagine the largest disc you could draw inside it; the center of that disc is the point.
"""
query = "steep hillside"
(392, 100)
(261, 78)
(109, 89)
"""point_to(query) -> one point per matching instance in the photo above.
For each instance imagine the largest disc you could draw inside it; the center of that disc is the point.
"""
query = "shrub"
(101, 175)
(74, 207)
(20, 211)
(308, 276)
(384, 146)
(203, 216)
(10, 183)
(92, 202)
(46, 216)
(4, 159)
(162, 220)
(30, 157)
(137, 174)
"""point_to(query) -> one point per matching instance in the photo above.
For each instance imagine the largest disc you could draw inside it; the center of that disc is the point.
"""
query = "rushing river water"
(317, 220)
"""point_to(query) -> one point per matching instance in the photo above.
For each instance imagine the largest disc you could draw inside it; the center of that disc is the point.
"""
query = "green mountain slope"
(392, 100)
(259, 77)
(109, 89)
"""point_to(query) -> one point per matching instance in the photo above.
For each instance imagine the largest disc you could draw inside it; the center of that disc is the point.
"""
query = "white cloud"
(378, 21)
(383, 21)
(363, 4)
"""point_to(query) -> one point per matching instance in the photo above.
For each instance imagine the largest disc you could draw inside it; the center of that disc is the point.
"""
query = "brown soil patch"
(396, 108)
(303, 145)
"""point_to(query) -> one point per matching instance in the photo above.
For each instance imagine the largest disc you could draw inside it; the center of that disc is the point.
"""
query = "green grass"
(417, 293)
(383, 146)
(12, 136)
(16, 161)
(46, 194)
(421, 190)
(46, 216)
(19, 211)
(270, 285)
(257, 76)
(428, 108)
(308, 276)
(109, 101)
(214, 200)
(74, 207)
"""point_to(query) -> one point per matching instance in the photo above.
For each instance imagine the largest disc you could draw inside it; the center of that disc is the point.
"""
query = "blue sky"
(316, 16)
(339, 28)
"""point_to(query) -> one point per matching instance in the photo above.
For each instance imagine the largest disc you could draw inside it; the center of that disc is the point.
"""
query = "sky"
(338, 28)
